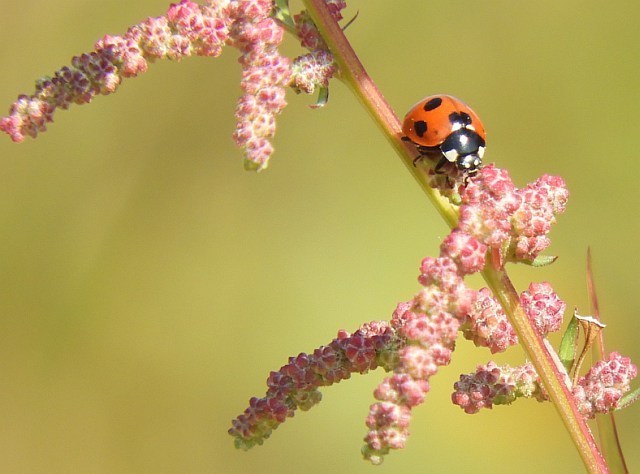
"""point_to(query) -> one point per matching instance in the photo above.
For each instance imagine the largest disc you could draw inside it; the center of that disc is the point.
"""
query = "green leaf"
(568, 346)
(323, 98)
(629, 399)
(282, 13)
(541, 260)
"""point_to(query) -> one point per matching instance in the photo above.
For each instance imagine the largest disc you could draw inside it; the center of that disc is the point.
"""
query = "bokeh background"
(148, 284)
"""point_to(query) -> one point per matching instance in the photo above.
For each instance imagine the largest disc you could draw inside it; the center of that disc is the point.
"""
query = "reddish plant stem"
(352, 72)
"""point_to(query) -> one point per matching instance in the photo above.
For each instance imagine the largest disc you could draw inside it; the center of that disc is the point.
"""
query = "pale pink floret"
(600, 389)
(388, 424)
(441, 272)
(419, 362)
(308, 33)
(27, 116)
(265, 75)
(402, 389)
(464, 249)
(248, 9)
(487, 325)
(428, 329)
(543, 307)
(312, 71)
(487, 203)
(124, 53)
(202, 29)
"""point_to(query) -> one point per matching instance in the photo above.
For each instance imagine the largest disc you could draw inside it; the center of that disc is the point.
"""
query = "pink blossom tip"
(492, 384)
(600, 389)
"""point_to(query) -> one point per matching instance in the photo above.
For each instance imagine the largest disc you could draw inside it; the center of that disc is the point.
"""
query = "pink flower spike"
(187, 29)
(296, 385)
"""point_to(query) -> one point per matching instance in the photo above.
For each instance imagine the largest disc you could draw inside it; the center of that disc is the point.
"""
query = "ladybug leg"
(442, 162)
(417, 158)
(429, 152)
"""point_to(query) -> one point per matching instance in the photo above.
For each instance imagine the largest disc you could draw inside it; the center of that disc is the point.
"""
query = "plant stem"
(354, 75)
(551, 373)
(352, 72)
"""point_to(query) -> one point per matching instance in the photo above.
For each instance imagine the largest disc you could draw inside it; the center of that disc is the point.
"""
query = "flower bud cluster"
(265, 74)
(313, 70)
(487, 325)
(543, 307)
(492, 384)
(513, 222)
(601, 388)
(296, 384)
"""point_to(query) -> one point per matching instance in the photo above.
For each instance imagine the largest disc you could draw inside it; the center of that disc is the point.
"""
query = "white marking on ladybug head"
(450, 155)
(480, 151)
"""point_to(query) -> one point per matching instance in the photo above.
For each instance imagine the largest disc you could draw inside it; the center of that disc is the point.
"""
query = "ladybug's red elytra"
(446, 127)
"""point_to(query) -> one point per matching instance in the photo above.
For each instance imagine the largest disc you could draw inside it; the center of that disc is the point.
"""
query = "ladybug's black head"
(465, 148)
(469, 164)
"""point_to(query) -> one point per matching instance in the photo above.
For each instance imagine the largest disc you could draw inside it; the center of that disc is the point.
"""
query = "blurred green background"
(148, 284)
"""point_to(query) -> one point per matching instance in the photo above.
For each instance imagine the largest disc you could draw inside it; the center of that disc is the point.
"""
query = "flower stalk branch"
(352, 72)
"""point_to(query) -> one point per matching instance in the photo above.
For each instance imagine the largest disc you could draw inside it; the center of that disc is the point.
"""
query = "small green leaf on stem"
(283, 14)
(628, 399)
(542, 260)
(323, 98)
(568, 345)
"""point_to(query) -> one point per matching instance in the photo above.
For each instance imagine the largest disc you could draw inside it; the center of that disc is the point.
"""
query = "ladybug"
(448, 129)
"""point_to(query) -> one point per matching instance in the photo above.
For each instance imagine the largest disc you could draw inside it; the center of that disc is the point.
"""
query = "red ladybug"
(446, 127)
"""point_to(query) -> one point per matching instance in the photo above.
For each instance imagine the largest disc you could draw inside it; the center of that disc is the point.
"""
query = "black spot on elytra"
(420, 127)
(460, 117)
(432, 104)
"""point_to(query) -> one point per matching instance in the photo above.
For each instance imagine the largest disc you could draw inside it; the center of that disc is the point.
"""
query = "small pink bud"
(487, 325)
(465, 250)
(543, 307)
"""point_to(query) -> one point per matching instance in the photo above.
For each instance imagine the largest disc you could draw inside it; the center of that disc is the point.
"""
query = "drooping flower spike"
(192, 29)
